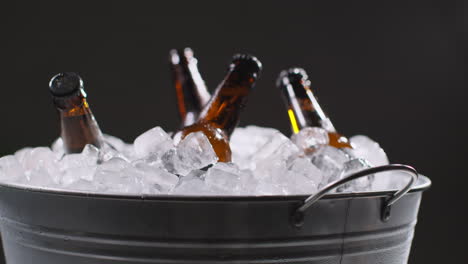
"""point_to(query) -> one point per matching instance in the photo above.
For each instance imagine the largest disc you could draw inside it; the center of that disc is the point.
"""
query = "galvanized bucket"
(54, 227)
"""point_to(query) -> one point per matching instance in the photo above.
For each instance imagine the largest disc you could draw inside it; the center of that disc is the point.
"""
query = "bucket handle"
(298, 216)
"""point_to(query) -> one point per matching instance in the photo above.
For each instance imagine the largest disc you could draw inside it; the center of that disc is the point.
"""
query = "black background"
(393, 71)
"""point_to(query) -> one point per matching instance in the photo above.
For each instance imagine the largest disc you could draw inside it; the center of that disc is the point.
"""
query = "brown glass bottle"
(192, 94)
(221, 115)
(303, 108)
(77, 122)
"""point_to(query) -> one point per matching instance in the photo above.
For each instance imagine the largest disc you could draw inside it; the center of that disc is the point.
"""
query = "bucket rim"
(421, 185)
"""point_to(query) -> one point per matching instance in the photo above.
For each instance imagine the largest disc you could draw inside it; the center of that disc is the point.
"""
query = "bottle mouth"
(65, 84)
(181, 56)
(246, 64)
(294, 76)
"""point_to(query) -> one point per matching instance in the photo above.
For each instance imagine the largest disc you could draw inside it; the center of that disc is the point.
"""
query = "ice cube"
(38, 177)
(74, 160)
(128, 180)
(192, 186)
(265, 163)
(366, 148)
(269, 188)
(245, 142)
(359, 184)
(330, 161)
(115, 142)
(108, 152)
(20, 154)
(224, 178)
(10, 169)
(107, 172)
(298, 184)
(120, 148)
(278, 147)
(296, 176)
(156, 178)
(88, 157)
(78, 166)
(32, 158)
(304, 167)
(41, 160)
(114, 164)
(197, 174)
(391, 180)
(270, 176)
(83, 186)
(193, 152)
(270, 163)
(309, 139)
(90, 154)
(154, 141)
(72, 175)
(249, 183)
(169, 159)
(57, 147)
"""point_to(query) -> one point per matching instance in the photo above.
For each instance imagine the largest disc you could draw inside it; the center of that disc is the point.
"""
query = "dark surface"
(394, 71)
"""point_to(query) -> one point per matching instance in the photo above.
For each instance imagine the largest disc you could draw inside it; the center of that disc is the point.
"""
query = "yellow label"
(293, 121)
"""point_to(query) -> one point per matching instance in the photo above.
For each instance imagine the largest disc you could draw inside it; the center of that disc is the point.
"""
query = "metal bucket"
(53, 227)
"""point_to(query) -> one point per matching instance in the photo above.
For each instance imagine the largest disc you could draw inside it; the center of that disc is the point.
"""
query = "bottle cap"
(65, 83)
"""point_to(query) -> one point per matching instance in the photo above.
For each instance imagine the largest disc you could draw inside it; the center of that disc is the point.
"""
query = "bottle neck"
(192, 94)
(304, 110)
(77, 123)
(223, 111)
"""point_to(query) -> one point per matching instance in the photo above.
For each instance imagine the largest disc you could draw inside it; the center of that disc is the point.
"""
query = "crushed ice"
(265, 162)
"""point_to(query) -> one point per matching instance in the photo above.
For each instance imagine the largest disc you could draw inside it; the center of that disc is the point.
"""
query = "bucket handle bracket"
(297, 218)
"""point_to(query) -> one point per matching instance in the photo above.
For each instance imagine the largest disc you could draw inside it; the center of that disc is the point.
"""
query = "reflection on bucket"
(52, 227)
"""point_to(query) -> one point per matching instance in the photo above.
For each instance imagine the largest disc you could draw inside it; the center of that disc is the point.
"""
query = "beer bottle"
(221, 115)
(192, 94)
(303, 108)
(77, 122)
